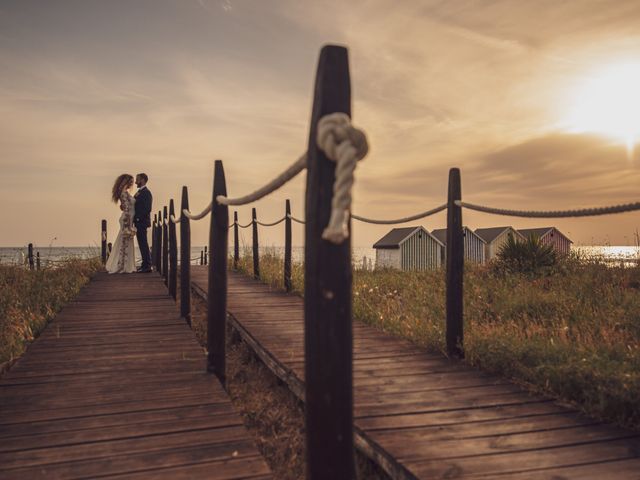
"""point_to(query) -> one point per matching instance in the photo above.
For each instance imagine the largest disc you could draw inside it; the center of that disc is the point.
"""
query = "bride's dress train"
(123, 256)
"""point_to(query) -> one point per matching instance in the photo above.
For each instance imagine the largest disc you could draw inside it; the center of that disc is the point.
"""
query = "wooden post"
(236, 245)
(455, 267)
(287, 247)
(165, 246)
(159, 252)
(103, 244)
(173, 253)
(154, 245)
(327, 304)
(256, 248)
(185, 259)
(206, 255)
(30, 255)
(38, 260)
(201, 257)
(217, 291)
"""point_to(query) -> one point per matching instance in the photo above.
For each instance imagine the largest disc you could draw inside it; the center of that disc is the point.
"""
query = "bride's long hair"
(120, 185)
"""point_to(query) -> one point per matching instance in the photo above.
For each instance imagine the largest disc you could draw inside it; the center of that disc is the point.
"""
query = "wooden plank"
(117, 385)
(420, 416)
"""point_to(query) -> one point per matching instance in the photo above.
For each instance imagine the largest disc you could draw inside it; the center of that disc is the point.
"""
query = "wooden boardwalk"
(419, 416)
(116, 386)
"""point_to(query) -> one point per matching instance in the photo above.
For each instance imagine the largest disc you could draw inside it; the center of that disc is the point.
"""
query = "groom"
(142, 220)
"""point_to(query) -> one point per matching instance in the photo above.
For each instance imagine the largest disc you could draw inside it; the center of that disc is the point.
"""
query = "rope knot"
(346, 145)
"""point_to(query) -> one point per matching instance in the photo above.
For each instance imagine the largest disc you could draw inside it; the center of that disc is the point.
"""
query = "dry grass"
(29, 299)
(573, 333)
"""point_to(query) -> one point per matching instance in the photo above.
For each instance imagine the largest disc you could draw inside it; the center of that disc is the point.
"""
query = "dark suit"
(142, 221)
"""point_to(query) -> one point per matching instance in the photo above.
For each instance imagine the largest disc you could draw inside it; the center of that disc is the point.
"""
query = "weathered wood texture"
(420, 416)
(116, 385)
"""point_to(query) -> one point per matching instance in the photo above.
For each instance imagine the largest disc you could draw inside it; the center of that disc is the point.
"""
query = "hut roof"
(441, 234)
(540, 232)
(490, 234)
(396, 236)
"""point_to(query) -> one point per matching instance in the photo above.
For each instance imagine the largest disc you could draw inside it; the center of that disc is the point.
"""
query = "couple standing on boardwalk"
(134, 221)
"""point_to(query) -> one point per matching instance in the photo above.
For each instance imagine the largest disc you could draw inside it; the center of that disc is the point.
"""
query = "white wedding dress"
(123, 255)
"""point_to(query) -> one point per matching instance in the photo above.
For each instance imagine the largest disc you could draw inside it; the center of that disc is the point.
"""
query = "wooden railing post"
(158, 258)
(185, 259)
(236, 245)
(201, 257)
(165, 246)
(30, 256)
(38, 261)
(217, 291)
(287, 247)
(103, 241)
(154, 245)
(173, 253)
(256, 248)
(327, 303)
(206, 255)
(455, 267)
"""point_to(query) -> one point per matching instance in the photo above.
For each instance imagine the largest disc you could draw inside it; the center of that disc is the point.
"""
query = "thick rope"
(345, 145)
(174, 219)
(417, 216)
(341, 143)
(245, 226)
(197, 216)
(584, 212)
(270, 187)
(297, 220)
(273, 223)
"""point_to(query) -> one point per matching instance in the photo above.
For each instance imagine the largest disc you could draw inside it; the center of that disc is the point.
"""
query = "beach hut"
(495, 238)
(409, 248)
(474, 245)
(550, 236)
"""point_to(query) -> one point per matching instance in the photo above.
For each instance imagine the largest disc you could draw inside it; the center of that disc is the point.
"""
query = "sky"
(536, 102)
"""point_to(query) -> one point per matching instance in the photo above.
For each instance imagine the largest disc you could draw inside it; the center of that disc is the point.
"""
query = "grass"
(573, 333)
(29, 299)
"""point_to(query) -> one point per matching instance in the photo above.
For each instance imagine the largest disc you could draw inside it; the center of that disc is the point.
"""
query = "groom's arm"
(148, 203)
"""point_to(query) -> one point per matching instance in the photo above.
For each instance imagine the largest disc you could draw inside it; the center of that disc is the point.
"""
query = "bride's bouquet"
(129, 231)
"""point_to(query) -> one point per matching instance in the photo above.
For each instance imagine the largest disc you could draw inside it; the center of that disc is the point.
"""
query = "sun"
(607, 101)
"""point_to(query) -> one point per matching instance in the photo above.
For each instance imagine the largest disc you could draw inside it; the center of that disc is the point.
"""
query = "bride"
(122, 258)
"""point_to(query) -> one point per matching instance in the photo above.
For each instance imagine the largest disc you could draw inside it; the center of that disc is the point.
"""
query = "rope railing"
(297, 220)
(582, 212)
(272, 224)
(410, 218)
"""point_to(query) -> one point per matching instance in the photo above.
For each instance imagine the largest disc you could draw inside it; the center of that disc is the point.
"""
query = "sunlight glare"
(608, 102)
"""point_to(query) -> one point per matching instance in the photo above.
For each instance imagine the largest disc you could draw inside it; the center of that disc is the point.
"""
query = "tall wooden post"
(455, 267)
(173, 253)
(30, 256)
(103, 242)
(327, 302)
(217, 292)
(206, 255)
(256, 248)
(185, 259)
(287, 246)
(236, 245)
(38, 261)
(159, 252)
(154, 245)
(201, 257)
(165, 246)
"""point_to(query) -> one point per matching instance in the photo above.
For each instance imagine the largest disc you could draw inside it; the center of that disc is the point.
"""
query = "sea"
(362, 257)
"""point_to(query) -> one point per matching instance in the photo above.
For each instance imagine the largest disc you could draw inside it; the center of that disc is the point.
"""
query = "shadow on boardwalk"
(115, 385)
(420, 416)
